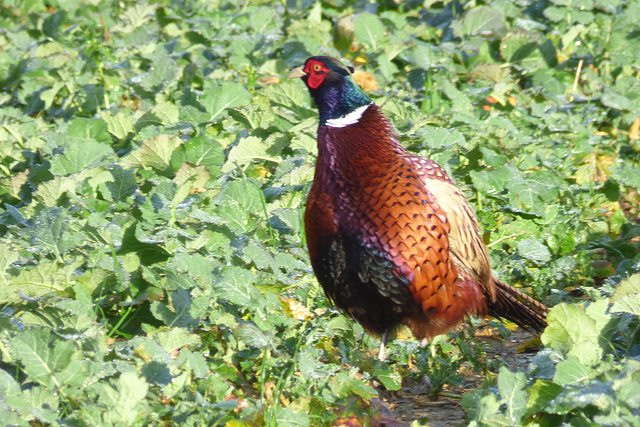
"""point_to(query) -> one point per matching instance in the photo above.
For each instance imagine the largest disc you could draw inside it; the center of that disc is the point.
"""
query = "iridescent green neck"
(338, 98)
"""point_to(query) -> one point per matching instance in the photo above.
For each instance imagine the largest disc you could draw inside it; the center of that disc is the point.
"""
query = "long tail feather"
(518, 307)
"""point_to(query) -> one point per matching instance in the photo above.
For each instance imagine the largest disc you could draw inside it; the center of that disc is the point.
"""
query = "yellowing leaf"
(189, 171)
(17, 181)
(46, 277)
(49, 192)
(365, 80)
(627, 287)
(155, 153)
(295, 309)
(594, 168)
(119, 125)
(634, 129)
(248, 149)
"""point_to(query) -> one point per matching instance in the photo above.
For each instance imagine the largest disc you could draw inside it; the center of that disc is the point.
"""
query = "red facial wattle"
(316, 72)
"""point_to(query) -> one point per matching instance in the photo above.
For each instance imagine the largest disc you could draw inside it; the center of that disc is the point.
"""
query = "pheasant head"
(332, 89)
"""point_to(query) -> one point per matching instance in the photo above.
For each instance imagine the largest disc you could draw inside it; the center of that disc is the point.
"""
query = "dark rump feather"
(518, 307)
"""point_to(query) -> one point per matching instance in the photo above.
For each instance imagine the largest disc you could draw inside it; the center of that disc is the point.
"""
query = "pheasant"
(391, 239)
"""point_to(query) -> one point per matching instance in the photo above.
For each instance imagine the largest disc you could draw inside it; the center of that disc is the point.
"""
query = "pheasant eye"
(317, 68)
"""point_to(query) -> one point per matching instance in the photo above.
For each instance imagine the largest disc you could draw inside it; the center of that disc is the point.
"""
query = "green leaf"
(345, 386)
(253, 117)
(481, 20)
(311, 366)
(197, 362)
(494, 181)
(149, 253)
(236, 217)
(52, 24)
(122, 186)
(50, 232)
(51, 191)
(291, 218)
(248, 150)
(627, 385)
(627, 287)
(86, 129)
(166, 113)
(626, 174)
(488, 411)
(34, 404)
(220, 96)
(155, 153)
(42, 361)
(288, 417)
(124, 398)
(194, 265)
(292, 96)
(599, 311)
(179, 314)
(131, 262)
(461, 102)
(257, 255)
(540, 394)
(149, 119)
(536, 192)
(627, 304)
(516, 46)
(8, 255)
(533, 250)
(162, 72)
(390, 380)
(9, 392)
(597, 395)
(236, 286)
(548, 84)
(80, 155)
(254, 336)
(439, 138)
(570, 371)
(573, 332)
(613, 99)
(512, 389)
(200, 151)
(43, 279)
(157, 373)
(243, 192)
(370, 31)
(118, 125)
(175, 338)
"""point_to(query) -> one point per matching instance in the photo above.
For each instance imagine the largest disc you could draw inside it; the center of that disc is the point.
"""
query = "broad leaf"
(573, 332)
(370, 31)
(218, 97)
(79, 155)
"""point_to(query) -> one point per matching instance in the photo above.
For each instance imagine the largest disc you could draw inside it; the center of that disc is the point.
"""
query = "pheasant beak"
(297, 73)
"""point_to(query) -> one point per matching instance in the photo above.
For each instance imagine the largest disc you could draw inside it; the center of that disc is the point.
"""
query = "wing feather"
(466, 246)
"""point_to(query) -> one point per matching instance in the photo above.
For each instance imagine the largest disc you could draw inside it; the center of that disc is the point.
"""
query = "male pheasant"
(391, 239)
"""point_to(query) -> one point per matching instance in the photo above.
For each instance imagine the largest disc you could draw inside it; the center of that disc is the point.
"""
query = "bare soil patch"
(413, 402)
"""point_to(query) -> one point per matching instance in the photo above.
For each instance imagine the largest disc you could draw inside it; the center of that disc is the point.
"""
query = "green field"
(154, 164)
